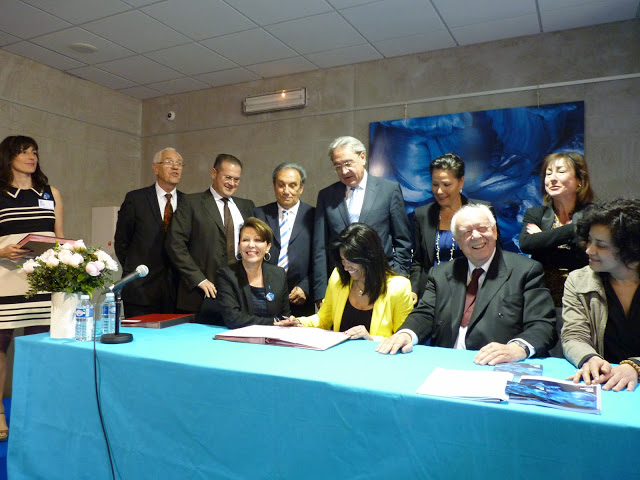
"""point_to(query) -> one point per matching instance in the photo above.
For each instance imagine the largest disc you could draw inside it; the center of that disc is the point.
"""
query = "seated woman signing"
(253, 292)
(365, 298)
(601, 302)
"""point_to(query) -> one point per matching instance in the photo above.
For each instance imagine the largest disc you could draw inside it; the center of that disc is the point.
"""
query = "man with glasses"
(489, 300)
(143, 221)
(358, 197)
(204, 237)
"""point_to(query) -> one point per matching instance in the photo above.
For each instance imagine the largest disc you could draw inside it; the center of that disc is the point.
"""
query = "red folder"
(157, 320)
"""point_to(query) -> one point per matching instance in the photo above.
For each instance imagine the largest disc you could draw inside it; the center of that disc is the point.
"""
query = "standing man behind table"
(292, 223)
(143, 221)
(488, 300)
(358, 197)
(203, 237)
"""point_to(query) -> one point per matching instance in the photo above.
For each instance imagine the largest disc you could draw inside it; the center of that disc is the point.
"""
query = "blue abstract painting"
(502, 149)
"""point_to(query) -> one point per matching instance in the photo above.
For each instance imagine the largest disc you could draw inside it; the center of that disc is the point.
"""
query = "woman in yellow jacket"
(365, 298)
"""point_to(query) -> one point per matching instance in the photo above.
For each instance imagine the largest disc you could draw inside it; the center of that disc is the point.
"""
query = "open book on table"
(300, 337)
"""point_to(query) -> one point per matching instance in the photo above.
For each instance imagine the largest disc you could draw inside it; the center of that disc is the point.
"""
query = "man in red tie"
(491, 301)
(143, 220)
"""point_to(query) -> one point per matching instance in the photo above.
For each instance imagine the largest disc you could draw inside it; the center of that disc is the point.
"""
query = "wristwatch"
(520, 343)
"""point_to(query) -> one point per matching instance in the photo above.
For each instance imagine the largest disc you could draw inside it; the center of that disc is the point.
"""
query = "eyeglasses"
(229, 178)
(476, 228)
(339, 166)
(170, 163)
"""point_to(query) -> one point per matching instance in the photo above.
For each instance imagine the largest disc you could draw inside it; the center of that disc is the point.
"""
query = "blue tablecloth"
(179, 405)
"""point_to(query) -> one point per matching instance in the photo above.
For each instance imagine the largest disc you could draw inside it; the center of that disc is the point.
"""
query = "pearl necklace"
(453, 243)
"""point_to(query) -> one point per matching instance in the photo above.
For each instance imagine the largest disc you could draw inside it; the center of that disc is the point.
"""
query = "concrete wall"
(89, 135)
(343, 100)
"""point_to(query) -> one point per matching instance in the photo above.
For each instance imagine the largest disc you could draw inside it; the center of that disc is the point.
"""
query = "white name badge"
(46, 204)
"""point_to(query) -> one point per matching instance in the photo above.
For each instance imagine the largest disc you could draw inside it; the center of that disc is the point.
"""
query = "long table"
(179, 405)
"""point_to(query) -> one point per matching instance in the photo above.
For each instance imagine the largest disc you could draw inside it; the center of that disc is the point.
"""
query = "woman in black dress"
(27, 205)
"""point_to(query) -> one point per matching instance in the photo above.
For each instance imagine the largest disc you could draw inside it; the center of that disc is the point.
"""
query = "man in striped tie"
(292, 223)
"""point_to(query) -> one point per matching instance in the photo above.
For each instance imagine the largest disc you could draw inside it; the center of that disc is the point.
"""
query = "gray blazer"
(382, 209)
(196, 244)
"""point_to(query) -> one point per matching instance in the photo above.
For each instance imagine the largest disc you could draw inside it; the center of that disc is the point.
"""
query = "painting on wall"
(502, 150)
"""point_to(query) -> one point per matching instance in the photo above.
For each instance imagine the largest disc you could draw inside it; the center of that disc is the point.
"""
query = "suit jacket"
(139, 239)
(234, 295)
(543, 246)
(425, 227)
(389, 310)
(196, 245)
(299, 271)
(512, 303)
(382, 209)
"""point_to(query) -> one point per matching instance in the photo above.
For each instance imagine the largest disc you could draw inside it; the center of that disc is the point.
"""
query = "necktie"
(354, 215)
(229, 232)
(285, 235)
(168, 212)
(470, 296)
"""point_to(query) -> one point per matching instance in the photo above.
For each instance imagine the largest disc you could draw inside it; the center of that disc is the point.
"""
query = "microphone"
(141, 271)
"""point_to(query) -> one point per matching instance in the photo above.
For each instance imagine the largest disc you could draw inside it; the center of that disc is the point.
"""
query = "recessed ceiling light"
(83, 47)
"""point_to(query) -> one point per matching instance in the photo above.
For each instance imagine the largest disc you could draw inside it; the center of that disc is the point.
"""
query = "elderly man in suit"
(143, 220)
(358, 197)
(491, 301)
(292, 223)
(204, 237)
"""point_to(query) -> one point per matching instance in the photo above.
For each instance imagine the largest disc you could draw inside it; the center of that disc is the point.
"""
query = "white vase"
(63, 314)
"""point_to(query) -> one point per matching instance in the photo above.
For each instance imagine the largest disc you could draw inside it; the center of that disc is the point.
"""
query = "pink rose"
(92, 269)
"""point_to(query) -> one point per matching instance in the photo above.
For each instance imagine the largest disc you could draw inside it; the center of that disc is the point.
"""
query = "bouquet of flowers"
(70, 267)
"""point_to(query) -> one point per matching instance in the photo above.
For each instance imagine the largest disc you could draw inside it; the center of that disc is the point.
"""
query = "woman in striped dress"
(27, 205)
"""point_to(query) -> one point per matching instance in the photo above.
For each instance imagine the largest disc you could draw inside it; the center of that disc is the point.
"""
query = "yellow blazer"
(389, 310)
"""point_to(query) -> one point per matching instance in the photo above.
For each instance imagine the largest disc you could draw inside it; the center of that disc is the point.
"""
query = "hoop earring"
(265, 256)
(238, 256)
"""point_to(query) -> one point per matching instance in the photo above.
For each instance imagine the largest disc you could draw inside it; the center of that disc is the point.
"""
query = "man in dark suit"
(294, 232)
(511, 318)
(204, 237)
(141, 229)
(358, 197)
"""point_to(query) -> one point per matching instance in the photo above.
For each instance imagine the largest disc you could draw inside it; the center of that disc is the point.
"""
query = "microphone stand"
(117, 337)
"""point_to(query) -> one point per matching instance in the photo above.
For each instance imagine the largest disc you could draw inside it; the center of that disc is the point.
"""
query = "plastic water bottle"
(84, 319)
(108, 314)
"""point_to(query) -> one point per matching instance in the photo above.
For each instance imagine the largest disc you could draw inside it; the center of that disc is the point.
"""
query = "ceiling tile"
(401, 19)
(496, 30)
(139, 69)
(227, 77)
(590, 14)
(338, 4)
(327, 31)
(141, 92)
(191, 59)
(282, 67)
(136, 31)
(199, 19)
(25, 21)
(80, 11)
(265, 13)
(457, 13)
(42, 55)
(100, 76)
(344, 56)
(60, 41)
(249, 47)
(433, 40)
(180, 85)
(6, 39)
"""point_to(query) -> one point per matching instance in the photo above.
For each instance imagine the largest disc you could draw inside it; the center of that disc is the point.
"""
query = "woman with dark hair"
(365, 298)
(549, 231)
(433, 241)
(28, 204)
(601, 302)
(252, 291)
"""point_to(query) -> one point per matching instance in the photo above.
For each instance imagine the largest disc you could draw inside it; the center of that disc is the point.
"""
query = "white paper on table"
(486, 386)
